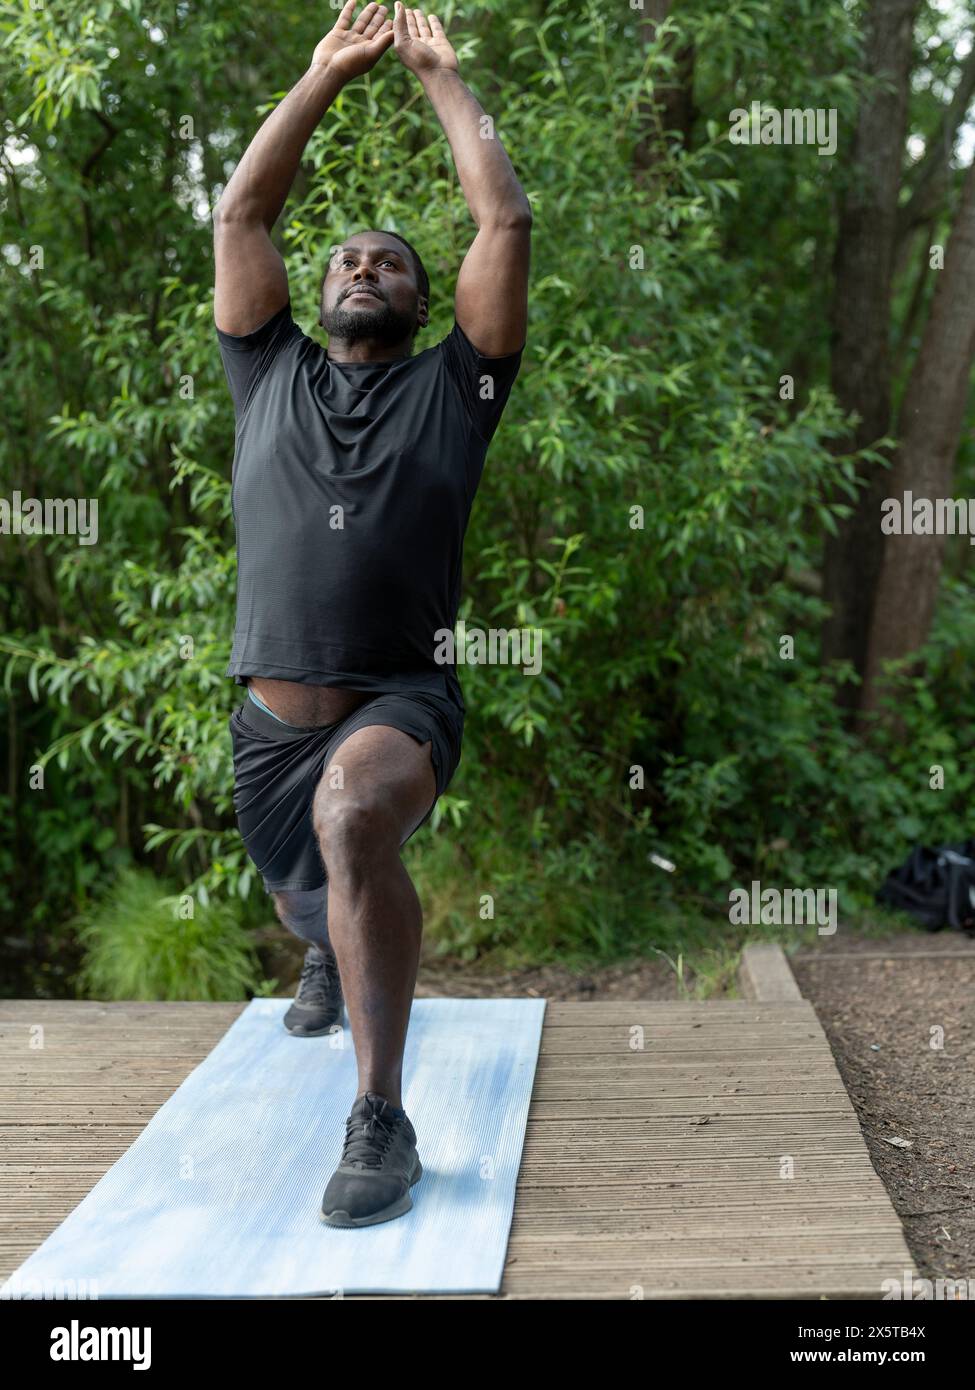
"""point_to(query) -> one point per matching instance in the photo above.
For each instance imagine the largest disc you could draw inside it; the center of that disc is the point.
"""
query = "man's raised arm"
(251, 281)
(491, 302)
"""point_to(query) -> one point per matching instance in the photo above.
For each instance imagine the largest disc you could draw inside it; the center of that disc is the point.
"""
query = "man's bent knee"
(353, 828)
(303, 912)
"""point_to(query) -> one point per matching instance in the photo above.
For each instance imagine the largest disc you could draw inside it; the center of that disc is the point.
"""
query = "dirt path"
(900, 1017)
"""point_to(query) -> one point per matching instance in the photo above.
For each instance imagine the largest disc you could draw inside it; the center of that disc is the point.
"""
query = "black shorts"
(278, 766)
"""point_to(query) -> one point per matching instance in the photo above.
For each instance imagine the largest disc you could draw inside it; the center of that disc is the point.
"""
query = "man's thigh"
(378, 774)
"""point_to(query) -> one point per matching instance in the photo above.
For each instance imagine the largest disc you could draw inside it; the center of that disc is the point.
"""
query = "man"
(354, 473)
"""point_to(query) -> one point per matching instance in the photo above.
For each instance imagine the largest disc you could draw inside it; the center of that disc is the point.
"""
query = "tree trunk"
(930, 425)
(861, 311)
(671, 103)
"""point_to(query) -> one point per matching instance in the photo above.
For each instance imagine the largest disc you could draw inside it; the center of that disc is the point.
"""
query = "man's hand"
(421, 43)
(352, 49)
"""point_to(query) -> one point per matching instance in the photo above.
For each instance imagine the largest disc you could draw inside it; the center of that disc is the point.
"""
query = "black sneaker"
(378, 1167)
(318, 1002)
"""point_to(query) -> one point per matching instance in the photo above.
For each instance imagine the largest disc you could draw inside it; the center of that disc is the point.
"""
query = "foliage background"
(667, 301)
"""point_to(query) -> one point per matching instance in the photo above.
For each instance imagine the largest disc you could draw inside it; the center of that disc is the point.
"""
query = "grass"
(536, 917)
(140, 943)
(506, 913)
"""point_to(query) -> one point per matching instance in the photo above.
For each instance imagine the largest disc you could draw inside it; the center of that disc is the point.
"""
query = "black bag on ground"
(936, 886)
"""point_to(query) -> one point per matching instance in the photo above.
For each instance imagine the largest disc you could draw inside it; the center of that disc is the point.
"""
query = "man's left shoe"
(378, 1167)
(318, 1003)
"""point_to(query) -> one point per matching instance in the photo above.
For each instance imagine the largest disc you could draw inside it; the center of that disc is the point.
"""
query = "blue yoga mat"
(220, 1194)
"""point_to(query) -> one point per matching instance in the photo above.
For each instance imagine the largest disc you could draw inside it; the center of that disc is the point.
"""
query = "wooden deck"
(655, 1173)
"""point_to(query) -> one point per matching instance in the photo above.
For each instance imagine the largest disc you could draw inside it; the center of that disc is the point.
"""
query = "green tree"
(650, 502)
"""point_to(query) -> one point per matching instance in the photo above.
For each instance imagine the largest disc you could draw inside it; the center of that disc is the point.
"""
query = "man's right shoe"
(378, 1167)
(318, 1003)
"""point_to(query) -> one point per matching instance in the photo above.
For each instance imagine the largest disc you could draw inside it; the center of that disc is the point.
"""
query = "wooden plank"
(576, 1014)
(570, 1012)
(551, 1085)
(765, 975)
(45, 1010)
(623, 1192)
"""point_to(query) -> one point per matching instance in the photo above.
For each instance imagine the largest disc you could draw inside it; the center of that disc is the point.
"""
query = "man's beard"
(384, 325)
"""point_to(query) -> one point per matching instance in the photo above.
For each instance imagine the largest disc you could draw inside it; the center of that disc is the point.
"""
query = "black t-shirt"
(352, 489)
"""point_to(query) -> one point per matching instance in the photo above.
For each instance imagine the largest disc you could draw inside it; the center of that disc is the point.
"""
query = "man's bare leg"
(374, 917)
